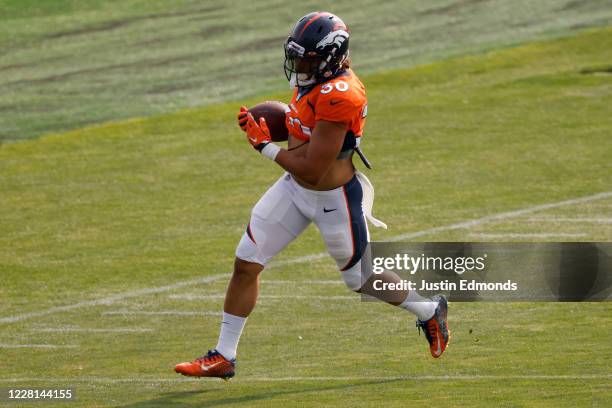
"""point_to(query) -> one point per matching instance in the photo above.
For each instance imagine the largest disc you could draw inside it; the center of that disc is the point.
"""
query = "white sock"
(422, 307)
(231, 329)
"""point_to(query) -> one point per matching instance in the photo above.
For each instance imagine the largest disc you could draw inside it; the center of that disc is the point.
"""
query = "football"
(274, 114)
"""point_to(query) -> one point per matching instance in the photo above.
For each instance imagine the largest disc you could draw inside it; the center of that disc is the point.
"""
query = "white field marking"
(453, 377)
(92, 330)
(109, 300)
(528, 235)
(302, 282)
(189, 296)
(459, 225)
(457, 377)
(160, 313)
(568, 219)
(503, 216)
(39, 346)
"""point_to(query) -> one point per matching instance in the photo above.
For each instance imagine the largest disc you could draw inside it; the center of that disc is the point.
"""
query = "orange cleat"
(213, 364)
(436, 329)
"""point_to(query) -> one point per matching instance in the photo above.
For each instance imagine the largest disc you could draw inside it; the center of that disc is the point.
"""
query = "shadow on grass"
(177, 399)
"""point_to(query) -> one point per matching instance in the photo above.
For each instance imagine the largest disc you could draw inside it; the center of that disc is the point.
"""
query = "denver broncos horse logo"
(336, 38)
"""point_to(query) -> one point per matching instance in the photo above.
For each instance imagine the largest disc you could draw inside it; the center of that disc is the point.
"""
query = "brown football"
(274, 114)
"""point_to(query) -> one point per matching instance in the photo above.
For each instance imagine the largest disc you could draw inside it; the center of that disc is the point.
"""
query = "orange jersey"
(341, 99)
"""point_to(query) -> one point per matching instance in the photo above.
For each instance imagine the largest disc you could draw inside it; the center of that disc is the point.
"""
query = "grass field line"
(190, 296)
(451, 377)
(94, 330)
(109, 300)
(303, 282)
(504, 216)
(459, 225)
(598, 220)
(41, 346)
(527, 235)
(159, 313)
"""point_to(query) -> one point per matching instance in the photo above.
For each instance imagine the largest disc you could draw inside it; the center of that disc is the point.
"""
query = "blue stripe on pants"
(353, 195)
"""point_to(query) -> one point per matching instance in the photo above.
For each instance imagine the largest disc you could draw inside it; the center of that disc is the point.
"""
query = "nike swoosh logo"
(334, 102)
(206, 368)
(326, 210)
(252, 139)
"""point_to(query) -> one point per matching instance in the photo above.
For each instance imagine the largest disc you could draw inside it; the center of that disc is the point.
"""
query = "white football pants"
(287, 208)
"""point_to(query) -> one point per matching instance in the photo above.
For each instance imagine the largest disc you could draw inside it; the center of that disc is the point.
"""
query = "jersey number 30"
(341, 86)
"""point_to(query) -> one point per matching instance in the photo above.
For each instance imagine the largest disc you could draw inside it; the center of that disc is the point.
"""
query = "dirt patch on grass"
(105, 26)
(605, 70)
(30, 65)
(13, 66)
(212, 31)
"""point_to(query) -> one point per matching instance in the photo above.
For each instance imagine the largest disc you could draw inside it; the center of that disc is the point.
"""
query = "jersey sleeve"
(337, 103)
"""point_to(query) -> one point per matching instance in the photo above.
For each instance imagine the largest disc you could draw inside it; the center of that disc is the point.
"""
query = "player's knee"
(352, 277)
(245, 270)
(248, 252)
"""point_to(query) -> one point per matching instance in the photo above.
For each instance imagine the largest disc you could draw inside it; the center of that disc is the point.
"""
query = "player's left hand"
(258, 135)
(242, 117)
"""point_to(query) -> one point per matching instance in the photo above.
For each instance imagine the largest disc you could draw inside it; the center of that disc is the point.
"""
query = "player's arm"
(325, 144)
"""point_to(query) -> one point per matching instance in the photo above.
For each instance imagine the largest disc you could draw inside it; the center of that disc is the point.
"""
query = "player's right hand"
(242, 118)
(258, 134)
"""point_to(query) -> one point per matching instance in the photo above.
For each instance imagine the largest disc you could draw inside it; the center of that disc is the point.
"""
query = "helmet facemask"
(301, 70)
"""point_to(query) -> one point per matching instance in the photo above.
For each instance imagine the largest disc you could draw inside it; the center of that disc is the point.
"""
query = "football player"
(325, 119)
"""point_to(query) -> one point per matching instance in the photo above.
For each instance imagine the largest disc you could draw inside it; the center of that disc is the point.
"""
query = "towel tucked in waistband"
(368, 200)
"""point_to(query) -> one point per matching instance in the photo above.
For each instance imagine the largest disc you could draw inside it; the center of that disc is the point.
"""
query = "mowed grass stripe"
(67, 64)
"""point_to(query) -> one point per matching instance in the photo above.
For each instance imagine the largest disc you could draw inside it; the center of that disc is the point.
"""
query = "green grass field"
(68, 63)
(118, 239)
